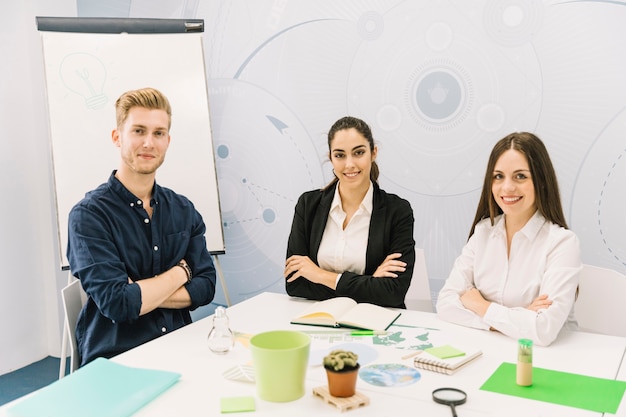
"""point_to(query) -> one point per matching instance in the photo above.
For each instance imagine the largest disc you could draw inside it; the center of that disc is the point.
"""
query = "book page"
(325, 312)
(369, 316)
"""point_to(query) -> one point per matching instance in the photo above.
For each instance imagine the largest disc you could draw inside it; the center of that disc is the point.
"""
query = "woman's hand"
(390, 266)
(474, 301)
(301, 266)
(540, 303)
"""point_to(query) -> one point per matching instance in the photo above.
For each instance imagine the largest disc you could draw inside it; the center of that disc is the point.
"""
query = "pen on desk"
(367, 333)
(412, 354)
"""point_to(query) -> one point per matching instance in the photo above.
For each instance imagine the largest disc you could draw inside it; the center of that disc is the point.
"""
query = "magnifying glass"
(451, 397)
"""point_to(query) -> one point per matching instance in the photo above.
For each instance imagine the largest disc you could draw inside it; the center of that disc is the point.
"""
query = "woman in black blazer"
(351, 238)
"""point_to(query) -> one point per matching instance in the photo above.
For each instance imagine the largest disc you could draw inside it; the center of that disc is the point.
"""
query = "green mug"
(280, 359)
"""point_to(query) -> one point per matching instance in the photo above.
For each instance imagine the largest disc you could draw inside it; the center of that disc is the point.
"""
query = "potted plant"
(342, 370)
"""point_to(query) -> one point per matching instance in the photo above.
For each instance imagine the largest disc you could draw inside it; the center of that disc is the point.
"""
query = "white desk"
(201, 386)
(621, 375)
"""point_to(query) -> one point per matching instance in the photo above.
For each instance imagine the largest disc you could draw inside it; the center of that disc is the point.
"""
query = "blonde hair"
(149, 98)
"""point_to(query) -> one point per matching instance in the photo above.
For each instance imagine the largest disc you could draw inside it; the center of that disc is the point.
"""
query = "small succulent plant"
(339, 360)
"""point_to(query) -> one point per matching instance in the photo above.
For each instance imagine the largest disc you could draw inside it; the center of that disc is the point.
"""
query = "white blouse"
(345, 249)
(544, 259)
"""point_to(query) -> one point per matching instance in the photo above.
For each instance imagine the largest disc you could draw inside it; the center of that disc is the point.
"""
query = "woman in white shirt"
(351, 238)
(518, 272)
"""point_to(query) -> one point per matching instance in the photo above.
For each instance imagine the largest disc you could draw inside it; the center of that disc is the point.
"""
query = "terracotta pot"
(342, 383)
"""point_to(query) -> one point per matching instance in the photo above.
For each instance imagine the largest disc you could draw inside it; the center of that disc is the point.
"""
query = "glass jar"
(220, 339)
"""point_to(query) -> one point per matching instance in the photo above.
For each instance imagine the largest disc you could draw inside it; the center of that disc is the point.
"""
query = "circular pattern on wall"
(611, 209)
(598, 204)
(370, 25)
(438, 96)
(513, 22)
(260, 178)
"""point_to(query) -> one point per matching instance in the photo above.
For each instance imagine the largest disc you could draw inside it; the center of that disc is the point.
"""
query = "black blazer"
(391, 231)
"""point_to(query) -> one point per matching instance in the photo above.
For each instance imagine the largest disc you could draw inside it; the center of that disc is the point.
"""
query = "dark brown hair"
(547, 196)
(349, 122)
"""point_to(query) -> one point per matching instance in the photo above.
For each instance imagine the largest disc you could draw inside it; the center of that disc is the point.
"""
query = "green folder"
(573, 390)
(99, 389)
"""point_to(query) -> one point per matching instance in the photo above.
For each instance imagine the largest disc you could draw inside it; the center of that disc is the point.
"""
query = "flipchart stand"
(220, 276)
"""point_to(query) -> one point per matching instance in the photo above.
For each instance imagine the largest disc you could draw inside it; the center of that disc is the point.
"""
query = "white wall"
(30, 277)
(280, 72)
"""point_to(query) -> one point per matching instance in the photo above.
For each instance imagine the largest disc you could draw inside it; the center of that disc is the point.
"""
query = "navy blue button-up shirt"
(111, 238)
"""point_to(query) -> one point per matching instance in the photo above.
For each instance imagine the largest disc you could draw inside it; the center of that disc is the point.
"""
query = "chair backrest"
(601, 306)
(74, 298)
(418, 297)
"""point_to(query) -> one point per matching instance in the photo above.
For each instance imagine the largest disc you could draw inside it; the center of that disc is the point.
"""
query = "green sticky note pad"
(237, 404)
(445, 351)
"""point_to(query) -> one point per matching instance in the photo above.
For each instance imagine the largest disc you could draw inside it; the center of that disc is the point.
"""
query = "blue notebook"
(101, 388)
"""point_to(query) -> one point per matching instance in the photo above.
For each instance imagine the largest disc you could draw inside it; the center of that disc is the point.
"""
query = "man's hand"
(390, 266)
(165, 290)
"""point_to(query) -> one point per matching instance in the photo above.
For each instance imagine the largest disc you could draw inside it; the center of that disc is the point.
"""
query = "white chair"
(418, 297)
(600, 306)
(74, 298)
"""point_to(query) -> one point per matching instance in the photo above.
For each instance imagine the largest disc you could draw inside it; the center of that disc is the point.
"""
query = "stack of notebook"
(445, 359)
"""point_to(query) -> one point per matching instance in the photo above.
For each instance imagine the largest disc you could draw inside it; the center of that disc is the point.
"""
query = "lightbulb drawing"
(85, 75)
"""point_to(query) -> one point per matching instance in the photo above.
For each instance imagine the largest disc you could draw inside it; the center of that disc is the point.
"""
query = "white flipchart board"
(86, 73)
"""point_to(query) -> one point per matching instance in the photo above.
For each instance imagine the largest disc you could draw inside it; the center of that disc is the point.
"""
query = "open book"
(445, 359)
(345, 312)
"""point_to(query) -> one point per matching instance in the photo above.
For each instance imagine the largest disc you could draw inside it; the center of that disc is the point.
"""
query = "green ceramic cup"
(280, 359)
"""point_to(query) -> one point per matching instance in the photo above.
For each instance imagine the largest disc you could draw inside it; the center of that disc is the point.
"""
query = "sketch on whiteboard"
(84, 74)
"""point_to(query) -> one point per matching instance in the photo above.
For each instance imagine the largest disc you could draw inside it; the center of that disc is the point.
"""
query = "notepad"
(236, 404)
(101, 388)
(345, 312)
(445, 352)
(445, 359)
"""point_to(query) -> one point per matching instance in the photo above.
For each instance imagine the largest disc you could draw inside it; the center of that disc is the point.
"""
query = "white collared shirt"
(345, 249)
(544, 259)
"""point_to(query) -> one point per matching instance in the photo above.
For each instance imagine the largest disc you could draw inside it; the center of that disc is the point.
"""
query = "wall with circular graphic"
(438, 81)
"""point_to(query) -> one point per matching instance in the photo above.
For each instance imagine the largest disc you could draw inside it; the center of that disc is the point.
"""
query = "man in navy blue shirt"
(138, 248)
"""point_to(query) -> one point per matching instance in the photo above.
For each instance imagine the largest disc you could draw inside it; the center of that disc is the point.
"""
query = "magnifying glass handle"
(453, 410)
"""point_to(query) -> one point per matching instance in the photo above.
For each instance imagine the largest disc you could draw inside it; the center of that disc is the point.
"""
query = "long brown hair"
(547, 196)
(349, 122)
